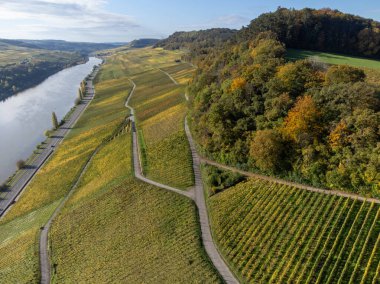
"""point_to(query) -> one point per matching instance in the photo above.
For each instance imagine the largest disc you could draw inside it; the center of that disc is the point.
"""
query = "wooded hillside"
(302, 120)
(323, 30)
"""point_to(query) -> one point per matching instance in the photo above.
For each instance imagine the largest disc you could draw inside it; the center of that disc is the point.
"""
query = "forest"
(301, 120)
(198, 43)
(322, 30)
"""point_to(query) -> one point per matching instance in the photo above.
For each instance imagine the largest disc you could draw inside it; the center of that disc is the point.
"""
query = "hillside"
(125, 230)
(143, 42)
(272, 233)
(26, 63)
(197, 43)
(84, 48)
(23, 67)
(323, 30)
(321, 121)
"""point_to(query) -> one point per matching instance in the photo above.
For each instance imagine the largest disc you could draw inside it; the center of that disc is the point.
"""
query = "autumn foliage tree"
(267, 149)
(302, 121)
(238, 83)
(344, 74)
(340, 135)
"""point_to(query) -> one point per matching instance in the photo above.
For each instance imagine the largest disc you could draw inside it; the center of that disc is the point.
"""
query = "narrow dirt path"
(197, 196)
(44, 236)
(208, 242)
(170, 76)
(294, 184)
(44, 240)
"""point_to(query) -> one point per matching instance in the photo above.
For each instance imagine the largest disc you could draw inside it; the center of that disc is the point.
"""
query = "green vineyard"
(273, 233)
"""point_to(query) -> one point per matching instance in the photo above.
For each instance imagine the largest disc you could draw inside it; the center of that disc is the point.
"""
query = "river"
(25, 116)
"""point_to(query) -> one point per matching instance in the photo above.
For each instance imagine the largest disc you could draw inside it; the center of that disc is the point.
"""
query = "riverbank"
(15, 185)
(17, 78)
(24, 118)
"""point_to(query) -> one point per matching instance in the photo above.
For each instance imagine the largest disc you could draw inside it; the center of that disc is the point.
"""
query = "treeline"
(198, 43)
(300, 120)
(15, 78)
(143, 42)
(322, 30)
(84, 48)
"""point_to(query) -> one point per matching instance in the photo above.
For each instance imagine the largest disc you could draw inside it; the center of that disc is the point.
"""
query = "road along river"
(25, 116)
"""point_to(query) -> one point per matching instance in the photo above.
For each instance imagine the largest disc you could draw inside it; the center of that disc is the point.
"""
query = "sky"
(125, 20)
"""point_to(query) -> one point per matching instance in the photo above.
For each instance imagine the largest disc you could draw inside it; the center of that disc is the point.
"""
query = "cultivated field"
(111, 219)
(272, 233)
(160, 107)
(117, 229)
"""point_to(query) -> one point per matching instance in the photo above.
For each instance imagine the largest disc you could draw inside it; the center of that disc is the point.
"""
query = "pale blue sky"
(125, 20)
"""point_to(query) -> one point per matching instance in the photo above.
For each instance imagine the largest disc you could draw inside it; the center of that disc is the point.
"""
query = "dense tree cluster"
(323, 30)
(300, 120)
(198, 43)
(143, 42)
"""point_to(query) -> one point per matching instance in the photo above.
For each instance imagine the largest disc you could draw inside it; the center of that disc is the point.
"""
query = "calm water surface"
(25, 117)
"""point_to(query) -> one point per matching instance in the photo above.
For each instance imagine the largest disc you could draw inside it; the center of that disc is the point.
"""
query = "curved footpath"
(197, 196)
(44, 242)
(31, 169)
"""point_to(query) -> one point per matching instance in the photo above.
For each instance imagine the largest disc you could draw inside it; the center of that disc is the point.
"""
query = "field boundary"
(290, 183)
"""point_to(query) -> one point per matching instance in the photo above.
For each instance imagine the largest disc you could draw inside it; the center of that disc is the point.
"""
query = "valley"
(220, 155)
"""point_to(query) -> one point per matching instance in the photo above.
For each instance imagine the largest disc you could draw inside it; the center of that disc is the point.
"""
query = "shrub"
(20, 164)
(77, 101)
(3, 186)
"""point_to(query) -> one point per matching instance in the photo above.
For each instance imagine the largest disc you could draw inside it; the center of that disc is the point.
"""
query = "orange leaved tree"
(302, 123)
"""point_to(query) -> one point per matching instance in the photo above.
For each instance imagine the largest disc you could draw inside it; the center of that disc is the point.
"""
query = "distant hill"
(23, 66)
(321, 30)
(198, 43)
(61, 45)
(143, 42)
(197, 39)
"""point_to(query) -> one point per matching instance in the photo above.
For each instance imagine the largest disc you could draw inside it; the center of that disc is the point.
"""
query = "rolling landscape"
(218, 155)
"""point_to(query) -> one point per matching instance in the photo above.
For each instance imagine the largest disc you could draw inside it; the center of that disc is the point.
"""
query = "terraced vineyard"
(273, 233)
(160, 107)
(101, 219)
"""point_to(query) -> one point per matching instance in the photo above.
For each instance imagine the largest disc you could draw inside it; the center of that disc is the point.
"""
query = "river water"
(25, 116)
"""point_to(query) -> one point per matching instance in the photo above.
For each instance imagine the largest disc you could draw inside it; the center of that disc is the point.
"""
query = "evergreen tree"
(54, 120)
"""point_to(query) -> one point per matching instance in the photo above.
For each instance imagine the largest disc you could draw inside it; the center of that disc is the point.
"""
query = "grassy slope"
(332, 58)
(280, 234)
(55, 179)
(160, 109)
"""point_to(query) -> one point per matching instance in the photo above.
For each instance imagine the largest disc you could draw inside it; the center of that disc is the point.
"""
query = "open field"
(51, 184)
(332, 58)
(113, 219)
(273, 233)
